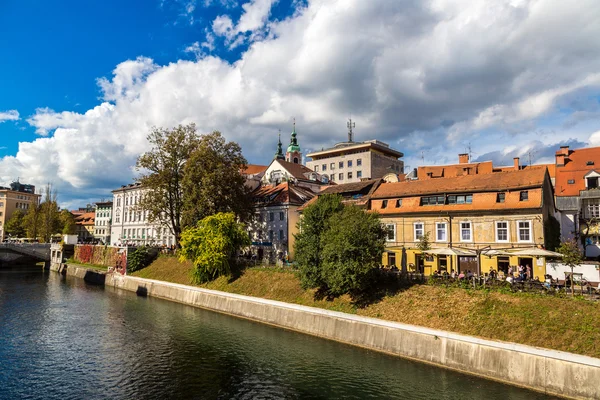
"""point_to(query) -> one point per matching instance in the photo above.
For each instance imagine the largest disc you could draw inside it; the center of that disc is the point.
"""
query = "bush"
(140, 258)
(212, 245)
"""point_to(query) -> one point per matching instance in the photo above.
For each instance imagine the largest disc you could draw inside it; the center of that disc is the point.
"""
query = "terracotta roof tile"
(252, 169)
(575, 168)
(498, 181)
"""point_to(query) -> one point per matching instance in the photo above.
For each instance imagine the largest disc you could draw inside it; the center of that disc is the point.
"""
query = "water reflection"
(64, 339)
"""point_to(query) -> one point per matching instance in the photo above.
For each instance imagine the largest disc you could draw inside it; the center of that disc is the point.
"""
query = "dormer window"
(524, 195)
(592, 182)
(398, 203)
(571, 181)
(384, 204)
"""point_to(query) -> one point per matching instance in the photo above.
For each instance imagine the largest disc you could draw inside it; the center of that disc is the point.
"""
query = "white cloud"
(254, 19)
(429, 77)
(9, 115)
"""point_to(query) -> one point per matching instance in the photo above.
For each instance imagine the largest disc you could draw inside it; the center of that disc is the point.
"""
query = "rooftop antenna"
(469, 152)
(350, 126)
(530, 154)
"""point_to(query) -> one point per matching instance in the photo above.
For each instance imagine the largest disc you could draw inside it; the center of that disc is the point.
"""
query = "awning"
(492, 253)
(450, 251)
(535, 252)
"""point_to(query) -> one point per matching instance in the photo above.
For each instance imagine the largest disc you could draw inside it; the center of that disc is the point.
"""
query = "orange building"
(475, 222)
(16, 197)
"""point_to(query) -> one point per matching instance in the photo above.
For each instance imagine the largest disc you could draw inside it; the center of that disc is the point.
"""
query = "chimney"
(560, 159)
(516, 161)
(463, 158)
(564, 150)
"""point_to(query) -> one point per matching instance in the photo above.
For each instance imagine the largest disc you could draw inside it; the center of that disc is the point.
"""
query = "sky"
(83, 82)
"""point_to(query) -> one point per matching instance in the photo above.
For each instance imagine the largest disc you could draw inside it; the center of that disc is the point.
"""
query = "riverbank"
(563, 324)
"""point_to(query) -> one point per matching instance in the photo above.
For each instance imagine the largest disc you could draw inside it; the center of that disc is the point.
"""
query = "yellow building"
(18, 196)
(474, 222)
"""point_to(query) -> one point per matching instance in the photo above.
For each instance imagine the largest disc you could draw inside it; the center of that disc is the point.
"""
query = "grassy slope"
(543, 321)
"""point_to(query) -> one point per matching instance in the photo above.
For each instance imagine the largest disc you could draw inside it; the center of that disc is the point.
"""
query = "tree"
(572, 257)
(308, 246)
(49, 215)
(424, 242)
(15, 225)
(162, 172)
(213, 181)
(352, 243)
(212, 246)
(31, 221)
(68, 222)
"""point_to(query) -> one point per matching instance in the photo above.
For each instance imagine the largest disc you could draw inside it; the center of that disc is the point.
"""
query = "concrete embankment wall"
(547, 371)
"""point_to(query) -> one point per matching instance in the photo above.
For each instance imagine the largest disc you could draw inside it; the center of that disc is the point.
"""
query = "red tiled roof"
(575, 169)
(498, 181)
(87, 218)
(284, 193)
(298, 171)
(252, 169)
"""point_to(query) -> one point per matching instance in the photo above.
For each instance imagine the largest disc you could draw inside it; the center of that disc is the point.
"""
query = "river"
(61, 338)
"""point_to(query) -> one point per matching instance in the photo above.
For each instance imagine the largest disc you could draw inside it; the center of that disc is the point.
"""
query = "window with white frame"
(524, 231)
(466, 232)
(418, 231)
(391, 232)
(501, 231)
(440, 228)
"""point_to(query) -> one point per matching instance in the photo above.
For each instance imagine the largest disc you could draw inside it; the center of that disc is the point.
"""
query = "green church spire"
(279, 155)
(294, 141)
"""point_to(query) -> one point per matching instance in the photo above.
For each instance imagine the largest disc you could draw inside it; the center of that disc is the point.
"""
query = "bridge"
(12, 252)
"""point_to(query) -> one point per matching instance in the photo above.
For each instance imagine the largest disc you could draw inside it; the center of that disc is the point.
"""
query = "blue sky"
(82, 82)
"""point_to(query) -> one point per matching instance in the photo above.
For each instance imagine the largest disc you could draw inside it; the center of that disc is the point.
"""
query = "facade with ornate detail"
(130, 224)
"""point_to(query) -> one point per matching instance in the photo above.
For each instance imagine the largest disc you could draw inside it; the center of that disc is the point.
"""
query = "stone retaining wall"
(547, 371)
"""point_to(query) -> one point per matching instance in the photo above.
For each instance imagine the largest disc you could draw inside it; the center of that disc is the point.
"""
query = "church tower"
(279, 155)
(294, 154)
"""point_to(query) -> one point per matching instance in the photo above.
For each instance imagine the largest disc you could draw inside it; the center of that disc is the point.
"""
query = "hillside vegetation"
(544, 321)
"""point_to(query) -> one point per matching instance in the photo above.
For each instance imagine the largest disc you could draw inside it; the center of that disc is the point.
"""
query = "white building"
(351, 161)
(131, 225)
(102, 221)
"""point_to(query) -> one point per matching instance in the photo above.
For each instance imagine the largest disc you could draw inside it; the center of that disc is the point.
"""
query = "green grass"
(560, 323)
(92, 266)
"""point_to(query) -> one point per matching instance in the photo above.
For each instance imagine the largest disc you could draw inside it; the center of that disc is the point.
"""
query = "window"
(341, 164)
(460, 199)
(465, 232)
(593, 211)
(270, 236)
(359, 162)
(500, 197)
(432, 200)
(501, 231)
(316, 168)
(418, 231)
(350, 175)
(359, 174)
(524, 195)
(332, 177)
(384, 204)
(324, 167)
(332, 166)
(281, 215)
(391, 232)
(349, 163)
(441, 232)
(524, 231)
(271, 217)
(341, 177)
(592, 183)
(398, 203)
(281, 237)
(590, 163)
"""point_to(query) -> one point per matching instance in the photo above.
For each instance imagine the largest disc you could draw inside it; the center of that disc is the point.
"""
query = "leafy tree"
(308, 246)
(162, 171)
(49, 215)
(352, 243)
(68, 222)
(424, 242)
(31, 221)
(213, 181)
(15, 225)
(572, 257)
(212, 246)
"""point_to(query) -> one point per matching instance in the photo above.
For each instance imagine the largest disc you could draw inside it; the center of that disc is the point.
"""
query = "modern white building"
(351, 161)
(131, 225)
(102, 221)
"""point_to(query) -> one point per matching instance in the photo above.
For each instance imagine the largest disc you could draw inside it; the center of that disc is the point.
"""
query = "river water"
(61, 338)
